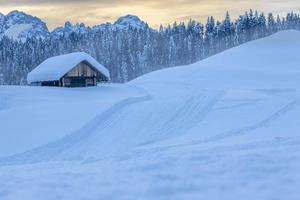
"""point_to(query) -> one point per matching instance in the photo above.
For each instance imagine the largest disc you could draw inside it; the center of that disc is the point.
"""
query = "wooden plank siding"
(83, 69)
(81, 75)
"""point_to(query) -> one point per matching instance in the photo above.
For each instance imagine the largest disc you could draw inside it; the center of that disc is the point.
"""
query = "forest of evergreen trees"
(129, 53)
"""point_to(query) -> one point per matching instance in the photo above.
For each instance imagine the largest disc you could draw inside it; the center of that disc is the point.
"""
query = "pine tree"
(271, 24)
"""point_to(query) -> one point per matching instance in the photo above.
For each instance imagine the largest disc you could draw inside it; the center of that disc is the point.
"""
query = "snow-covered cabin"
(70, 70)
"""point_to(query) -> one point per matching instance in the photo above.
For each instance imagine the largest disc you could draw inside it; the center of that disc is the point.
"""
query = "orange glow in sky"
(155, 12)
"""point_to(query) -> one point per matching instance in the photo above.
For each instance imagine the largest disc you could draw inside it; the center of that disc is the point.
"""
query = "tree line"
(132, 52)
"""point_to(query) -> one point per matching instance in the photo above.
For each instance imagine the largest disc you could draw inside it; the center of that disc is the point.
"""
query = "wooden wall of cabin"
(80, 76)
(83, 69)
(82, 72)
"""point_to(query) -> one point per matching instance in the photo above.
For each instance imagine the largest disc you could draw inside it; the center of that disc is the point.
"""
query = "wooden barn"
(70, 70)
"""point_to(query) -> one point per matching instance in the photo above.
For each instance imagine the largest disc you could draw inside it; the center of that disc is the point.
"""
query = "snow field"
(226, 127)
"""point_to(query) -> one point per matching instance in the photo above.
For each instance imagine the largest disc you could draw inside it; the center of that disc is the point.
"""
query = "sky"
(154, 12)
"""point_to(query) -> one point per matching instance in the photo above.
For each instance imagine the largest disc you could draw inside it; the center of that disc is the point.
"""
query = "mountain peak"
(130, 21)
(131, 17)
(69, 28)
(68, 24)
(16, 12)
(19, 15)
(19, 26)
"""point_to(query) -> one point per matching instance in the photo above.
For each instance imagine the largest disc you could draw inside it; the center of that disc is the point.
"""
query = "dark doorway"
(78, 82)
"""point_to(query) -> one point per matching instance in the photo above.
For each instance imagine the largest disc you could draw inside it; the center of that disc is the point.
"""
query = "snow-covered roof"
(56, 67)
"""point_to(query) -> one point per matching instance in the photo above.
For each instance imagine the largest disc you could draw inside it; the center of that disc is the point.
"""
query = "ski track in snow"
(244, 130)
(51, 150)
(192, 111)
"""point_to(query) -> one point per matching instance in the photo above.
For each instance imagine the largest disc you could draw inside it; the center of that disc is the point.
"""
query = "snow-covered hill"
(226, 127)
